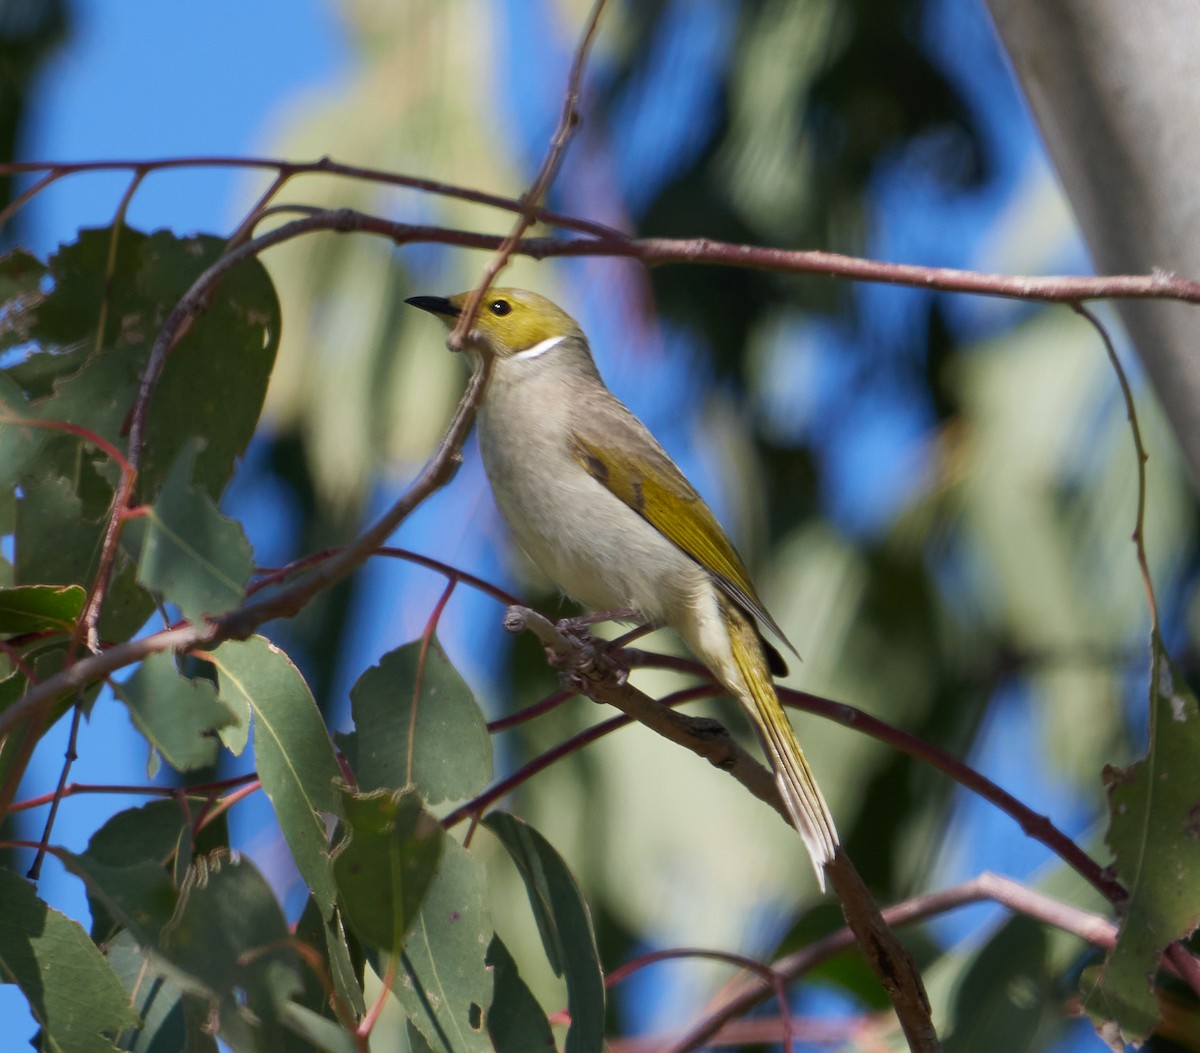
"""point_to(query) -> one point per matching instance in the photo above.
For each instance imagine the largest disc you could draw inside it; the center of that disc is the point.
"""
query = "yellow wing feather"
(658, 491)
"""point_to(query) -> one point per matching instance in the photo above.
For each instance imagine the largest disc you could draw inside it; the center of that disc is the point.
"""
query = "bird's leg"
(579, 628)
(584, 621)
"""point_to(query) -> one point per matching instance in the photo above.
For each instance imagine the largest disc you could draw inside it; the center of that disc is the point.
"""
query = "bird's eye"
(500, 307)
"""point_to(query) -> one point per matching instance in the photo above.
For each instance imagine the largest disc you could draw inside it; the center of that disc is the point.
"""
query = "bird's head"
(511, 325)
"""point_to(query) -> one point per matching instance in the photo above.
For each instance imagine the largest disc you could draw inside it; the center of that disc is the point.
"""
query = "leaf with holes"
(1154, 832)
(442, 980)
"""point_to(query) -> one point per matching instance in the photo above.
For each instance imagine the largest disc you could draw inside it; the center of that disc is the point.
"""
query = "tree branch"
(588, 665)
(987, 886)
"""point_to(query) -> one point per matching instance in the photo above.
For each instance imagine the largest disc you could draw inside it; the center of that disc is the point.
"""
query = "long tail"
(803, 797)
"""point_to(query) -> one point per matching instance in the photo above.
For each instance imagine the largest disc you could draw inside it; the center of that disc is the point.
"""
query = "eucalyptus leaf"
(148, 834)
(229, 940)
(386, 863)
(441, 980)
(192, 555)
(73, 992)
(159, 1001)
(295, 759)
(40, 608)
(1153, 833)
(418, 724)
(515, 1020)
(180, 716)
(1006, 995)
(565, 925)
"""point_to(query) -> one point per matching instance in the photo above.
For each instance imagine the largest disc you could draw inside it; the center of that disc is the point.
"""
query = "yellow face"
(508, 322)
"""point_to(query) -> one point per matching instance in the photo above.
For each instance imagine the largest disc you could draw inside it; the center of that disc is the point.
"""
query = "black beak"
(434, 305)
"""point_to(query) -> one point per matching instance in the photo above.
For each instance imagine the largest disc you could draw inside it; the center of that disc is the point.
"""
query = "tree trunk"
(1114, 87)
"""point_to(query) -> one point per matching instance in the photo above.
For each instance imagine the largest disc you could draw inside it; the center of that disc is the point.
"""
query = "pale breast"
(589, 542)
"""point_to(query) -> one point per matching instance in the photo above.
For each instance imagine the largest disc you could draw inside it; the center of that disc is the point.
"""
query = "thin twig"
(69, 758)
(763, 970)
(597, 674)
(532, 198)
(1032, 823)
(288, 169)
(1139, 449)
(987, 886)
(475, 807)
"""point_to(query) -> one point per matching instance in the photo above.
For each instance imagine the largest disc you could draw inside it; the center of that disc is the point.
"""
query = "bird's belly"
(589, 542)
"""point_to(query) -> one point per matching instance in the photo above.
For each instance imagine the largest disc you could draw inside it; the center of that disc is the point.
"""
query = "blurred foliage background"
(935, 492)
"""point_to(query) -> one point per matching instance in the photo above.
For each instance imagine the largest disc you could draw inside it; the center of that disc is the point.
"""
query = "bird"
(599, 506)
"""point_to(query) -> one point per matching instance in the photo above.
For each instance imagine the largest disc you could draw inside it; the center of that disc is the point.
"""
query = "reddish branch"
(1012, 894)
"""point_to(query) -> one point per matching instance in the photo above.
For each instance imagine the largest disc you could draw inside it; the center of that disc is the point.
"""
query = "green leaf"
(1154, 832)
(137, 835)
(386, 863)
(565, 926)
(192, 555)
(180, 717)
(18, 445)
(343, 965)
(418, 724)
(40, 608)
(515, 1019)
(73, 993)
(159, 1001)
(442, 981)
(139, 896)
(228, 941)
(58, 540)
(215, 378)
(295, 759)
(1005, 995)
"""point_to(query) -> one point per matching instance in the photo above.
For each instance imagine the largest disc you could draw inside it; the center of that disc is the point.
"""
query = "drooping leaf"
(40, 608)
(159, 1001)
(73, 993)
(515, 1020)
(192, 555)
(137, 835)
(1154, 832)
(139, 896)
(181, 717)
(295, 759)
(385, 865)
(343, 964)
(442, 981)
(1004, 998)
(565, 926)
(228, 941)
(418, 724)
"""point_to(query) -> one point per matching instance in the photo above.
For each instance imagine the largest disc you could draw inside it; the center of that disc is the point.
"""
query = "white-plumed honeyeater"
(597, 504)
